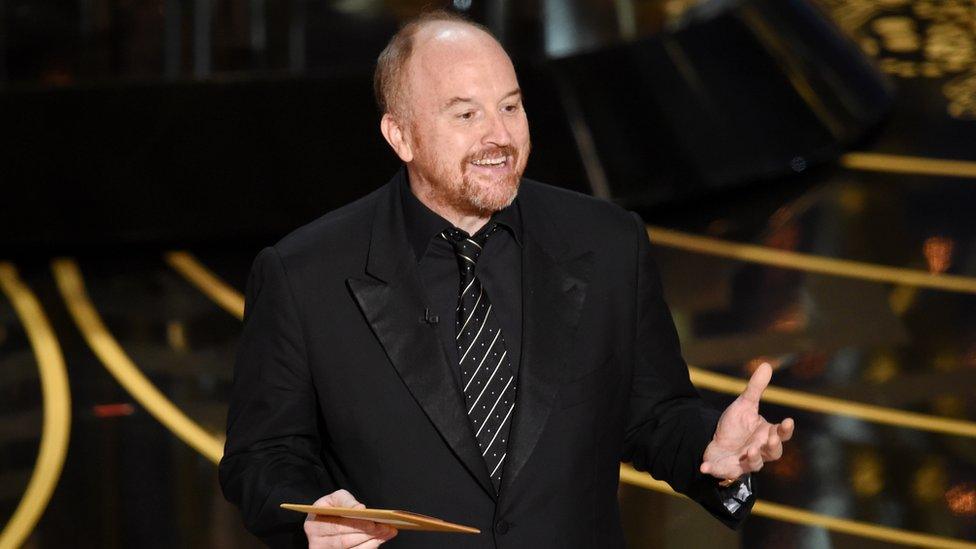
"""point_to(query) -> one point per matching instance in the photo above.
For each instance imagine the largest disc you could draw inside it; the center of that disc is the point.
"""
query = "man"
(470, 345)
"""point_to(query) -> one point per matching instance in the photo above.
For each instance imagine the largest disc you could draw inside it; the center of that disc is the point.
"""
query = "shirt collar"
(423, 224)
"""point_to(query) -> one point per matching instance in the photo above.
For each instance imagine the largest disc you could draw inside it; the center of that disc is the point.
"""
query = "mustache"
(493, 152)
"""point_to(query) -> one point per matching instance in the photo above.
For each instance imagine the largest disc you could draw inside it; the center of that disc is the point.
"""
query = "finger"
(362, 525)
(723, 469)
(773, 449)
(376, 541)
(786, 429)
(341, 498)
(752, 460)
(387, 533)
(357, 539)
(324, 525)
(757, 383)
(368, 544)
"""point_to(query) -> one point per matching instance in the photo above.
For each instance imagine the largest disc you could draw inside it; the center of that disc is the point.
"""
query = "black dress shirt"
(499, 269)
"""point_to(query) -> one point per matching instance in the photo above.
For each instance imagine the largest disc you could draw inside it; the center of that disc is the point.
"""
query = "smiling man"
(454, 116)
(469, 344)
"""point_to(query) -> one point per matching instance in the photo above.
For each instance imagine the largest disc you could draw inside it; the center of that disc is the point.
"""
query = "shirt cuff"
(736, 494)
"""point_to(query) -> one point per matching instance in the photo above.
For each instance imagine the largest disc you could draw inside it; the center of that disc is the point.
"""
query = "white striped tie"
(486, 371)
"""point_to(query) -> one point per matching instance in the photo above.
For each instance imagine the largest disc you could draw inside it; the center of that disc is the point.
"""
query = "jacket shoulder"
(578, 212)
(338, 235)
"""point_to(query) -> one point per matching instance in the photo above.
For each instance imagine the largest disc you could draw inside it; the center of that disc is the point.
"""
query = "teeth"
(490, 162)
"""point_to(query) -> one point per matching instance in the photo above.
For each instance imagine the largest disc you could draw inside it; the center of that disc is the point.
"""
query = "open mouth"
(494, 163)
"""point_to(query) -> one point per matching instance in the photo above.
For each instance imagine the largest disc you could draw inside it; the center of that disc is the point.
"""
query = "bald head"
(452, 112)
(432, 36)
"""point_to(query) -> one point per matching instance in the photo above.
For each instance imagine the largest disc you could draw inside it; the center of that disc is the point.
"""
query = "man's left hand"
(744, 440)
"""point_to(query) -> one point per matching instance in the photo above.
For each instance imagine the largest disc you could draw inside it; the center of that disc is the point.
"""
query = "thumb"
(339, 498)
(757, 383)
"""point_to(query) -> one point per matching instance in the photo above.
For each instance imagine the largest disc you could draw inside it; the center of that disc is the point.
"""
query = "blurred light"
(809, 366)
(791, 319)
(901, 298)
(866, 474)
(924, 9)
(851, 200)
(882, 367)
(930, 481)
(176, 335)
(790, 466)
(961, 499)
(938, 253)
(674, 9)
(870, 46)
(754, 364)
(898, 33)
(103, 411)
(951, 44)
(949, 406)
(463, 5)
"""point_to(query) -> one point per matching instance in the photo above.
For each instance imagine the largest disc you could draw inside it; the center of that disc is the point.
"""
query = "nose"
(496, 131)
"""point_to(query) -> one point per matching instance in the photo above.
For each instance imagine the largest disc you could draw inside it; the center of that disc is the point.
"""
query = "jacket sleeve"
(669, 425)
(272, 453)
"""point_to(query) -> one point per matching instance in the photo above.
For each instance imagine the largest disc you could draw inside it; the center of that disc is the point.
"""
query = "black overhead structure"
(723, 93)
(251, 120)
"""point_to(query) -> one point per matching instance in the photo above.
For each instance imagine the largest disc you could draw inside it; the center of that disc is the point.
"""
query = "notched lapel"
(416, 353)
(553, 293)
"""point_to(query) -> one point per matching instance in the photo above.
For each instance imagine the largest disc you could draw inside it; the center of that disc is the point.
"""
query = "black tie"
(486, 371)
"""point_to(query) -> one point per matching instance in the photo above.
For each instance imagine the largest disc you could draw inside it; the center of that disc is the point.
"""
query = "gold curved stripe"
(56, 426)
(808, 262)
(207, 282)
(705, 379)
(113, 357)
(776, 395)
(892, 163)
(773, 510)
(786, 513)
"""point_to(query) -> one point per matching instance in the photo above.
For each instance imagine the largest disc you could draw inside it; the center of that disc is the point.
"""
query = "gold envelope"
(402, 520)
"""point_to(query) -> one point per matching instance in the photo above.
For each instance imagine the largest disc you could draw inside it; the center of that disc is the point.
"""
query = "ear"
(393, 133)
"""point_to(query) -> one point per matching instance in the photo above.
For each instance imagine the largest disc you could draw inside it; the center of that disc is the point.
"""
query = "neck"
(469, 222)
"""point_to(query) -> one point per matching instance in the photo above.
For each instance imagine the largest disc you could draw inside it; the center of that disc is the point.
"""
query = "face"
(465, 127)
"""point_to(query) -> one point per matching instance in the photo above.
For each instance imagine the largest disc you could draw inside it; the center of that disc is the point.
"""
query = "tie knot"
(468, 248)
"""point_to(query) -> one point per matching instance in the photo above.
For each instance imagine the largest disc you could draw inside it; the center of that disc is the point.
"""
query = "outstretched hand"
(744, 440)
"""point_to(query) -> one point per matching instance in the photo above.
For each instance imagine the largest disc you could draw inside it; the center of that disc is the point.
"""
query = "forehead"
(452, 60)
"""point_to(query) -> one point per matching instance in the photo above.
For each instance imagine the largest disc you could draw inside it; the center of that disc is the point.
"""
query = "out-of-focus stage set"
(807, 170)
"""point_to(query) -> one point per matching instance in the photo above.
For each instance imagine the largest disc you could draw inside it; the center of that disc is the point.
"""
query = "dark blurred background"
(130, 121)
(808, 169)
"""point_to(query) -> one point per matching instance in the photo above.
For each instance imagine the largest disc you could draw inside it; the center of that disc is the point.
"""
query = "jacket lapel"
(554, 281)
(392, 301)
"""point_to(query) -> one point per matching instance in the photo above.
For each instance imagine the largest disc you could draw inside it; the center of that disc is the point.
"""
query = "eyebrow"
(455, 100)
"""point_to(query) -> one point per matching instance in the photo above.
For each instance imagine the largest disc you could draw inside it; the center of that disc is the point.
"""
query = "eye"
(514, 107)
(467, 115)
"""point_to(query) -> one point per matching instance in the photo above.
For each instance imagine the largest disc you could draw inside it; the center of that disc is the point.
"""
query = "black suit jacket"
(339, 384)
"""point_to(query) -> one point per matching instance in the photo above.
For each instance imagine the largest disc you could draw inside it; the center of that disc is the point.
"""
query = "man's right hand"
(326, 532)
